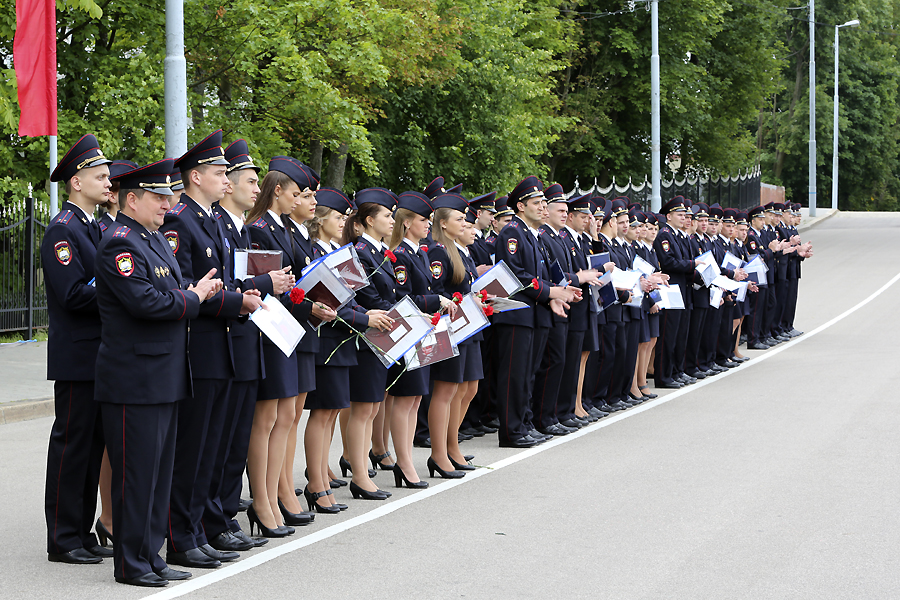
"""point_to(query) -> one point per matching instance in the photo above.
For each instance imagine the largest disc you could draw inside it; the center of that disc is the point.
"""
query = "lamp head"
(853, 23)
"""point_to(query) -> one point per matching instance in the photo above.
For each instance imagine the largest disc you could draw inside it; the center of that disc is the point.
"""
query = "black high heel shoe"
(433, 466)
(358, 493)
(278, 532)
(298, 519)
(311, 499)
(459, 467)
(103, 534)
(376, 461)
(400, 477)
(335, 504)
(345, 468)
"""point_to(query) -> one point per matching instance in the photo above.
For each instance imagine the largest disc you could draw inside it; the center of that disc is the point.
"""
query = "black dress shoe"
(257, 542)
(522, 442)
(426, 443)
(226, 541)
(572, 424)
(243, 505)
(101, 551)
(795, 332)
(728, 364)
(472, 431)
(597, 412)
(487, 428)
(495, 423)
(78, 556)
(696, 374)
(743, 339)
(358, 492)
(170, 574)
(604, 408)
(145, 580)
(771, 341)
(193, 559)
(217, 555)
(669, 385)
(541, 437)
(463, 437)
(758, 346)
(469, 457)
(620, 405)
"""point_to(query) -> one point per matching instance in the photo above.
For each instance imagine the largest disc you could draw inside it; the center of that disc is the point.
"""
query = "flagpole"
(54, 187)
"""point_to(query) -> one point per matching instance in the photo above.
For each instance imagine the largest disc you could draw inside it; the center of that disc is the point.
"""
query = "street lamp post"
(812, 108)
(834, 156)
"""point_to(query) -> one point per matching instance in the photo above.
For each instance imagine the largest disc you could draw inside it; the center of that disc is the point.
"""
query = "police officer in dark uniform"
(757, 335)
(76, 437)
(700, 308)
(521, 335)
(108, 219)
(484, 210)
(198, 240)
(142, 369)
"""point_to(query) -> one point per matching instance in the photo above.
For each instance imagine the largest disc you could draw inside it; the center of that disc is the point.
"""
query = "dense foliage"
(483, 92)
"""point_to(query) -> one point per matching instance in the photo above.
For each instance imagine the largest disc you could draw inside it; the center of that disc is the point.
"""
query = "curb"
(817, 221)
(26, 410)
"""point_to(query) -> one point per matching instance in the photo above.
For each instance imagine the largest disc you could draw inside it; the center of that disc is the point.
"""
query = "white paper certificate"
(278, 325)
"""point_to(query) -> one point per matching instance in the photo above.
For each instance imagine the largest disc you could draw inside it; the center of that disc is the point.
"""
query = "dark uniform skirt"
(332, 389)
(591, 337)
(369, 378)
(649, 327)
(410, 383)
(474, 369)
(281, 374)
(452, 369)
(306, 371)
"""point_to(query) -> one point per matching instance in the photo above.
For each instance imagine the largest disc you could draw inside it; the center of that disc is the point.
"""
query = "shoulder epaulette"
(103, 226)
(63, 217)
(260, 223)
(176, 210)
(122, 231)
(564, 233)
(512, 224)
(360, 245)
(218, 214)
(541, 231)
(400, 249)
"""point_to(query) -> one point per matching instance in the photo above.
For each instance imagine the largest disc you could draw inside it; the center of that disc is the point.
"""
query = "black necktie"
(94, 230)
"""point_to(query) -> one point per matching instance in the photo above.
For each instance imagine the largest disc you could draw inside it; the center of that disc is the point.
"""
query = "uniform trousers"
(568, 386)
(514, 372)
(682, 340)
(757, 315)
(664, 360)
(141, 444)
(790, 308)
(623, 374)
(201, 420)
(538, 347)
(781, 296)
(598, 376)
(549, 376)
(710, 336)
(725, 339)
(695, 334)
(73, 467)
(771, 308)
(228, 470)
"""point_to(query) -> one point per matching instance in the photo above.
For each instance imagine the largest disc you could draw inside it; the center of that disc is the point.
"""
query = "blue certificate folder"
(557, 275)
(598, 260)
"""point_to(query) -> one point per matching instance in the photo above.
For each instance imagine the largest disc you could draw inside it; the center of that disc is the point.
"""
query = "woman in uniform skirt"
(650, 324)
(413, 276)
(334, 360)
(369, 381)
(450, 275)
(277, 396)
(308, 347)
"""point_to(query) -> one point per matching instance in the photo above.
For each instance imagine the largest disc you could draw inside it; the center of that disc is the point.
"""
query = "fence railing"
(741, 191)
(23, 295)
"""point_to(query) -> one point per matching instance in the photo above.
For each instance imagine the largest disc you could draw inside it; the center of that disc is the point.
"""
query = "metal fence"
(23, 295)
(741, 191)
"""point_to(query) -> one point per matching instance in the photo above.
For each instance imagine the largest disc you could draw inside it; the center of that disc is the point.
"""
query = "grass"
(40, 335)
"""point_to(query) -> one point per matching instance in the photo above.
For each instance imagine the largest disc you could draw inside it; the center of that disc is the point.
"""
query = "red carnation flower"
(390, 256)
(436, 319)
(297, 295)
(534, 283)
(457, 297)
(488, 310)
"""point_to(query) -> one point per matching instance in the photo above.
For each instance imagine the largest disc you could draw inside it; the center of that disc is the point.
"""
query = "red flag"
(34, 58)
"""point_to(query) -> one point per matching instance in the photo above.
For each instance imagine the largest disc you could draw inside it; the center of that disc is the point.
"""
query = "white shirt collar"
(462, 249)
(237, 220)
(373, 241)
(534, 232)
(575, 234)
(277, 218)
(111, 216)
(303, 230)
(479, 233)
(324, 246)
(412, 246)
(605, 237)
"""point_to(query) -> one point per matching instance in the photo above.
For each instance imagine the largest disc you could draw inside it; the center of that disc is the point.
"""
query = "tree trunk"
(337, 164)
(315, 155)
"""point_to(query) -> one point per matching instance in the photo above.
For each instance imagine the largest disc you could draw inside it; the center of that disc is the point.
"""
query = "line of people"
(165, 392)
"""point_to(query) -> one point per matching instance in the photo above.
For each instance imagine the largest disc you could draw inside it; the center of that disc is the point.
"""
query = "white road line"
(265, 556)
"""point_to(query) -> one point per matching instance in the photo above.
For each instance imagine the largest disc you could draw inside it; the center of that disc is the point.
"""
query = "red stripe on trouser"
(123, 476)
(508, 377)
(59, 475)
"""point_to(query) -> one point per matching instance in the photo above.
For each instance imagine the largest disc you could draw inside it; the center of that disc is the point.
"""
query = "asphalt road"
(780, 479)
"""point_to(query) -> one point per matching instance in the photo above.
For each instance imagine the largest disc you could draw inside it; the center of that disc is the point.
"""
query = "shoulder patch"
(665, 245)
(125, 264)
(260, 223)
(121, 232)
(400, 274)
(437, 269)
(753, 244)
(172, 238)
(541, 231)
(512, 224)
(177, 209)
(564, 233)
(512, 245)
(218, 215)
(63, 252)
(103, 226)
(360, 245)
(400, 249)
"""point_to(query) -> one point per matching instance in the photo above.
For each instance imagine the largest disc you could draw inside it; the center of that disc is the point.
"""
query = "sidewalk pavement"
(23, 367)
